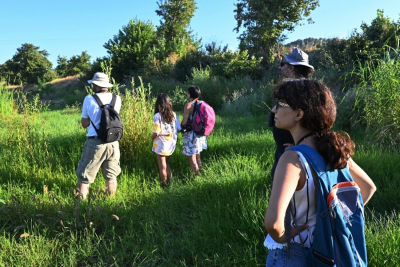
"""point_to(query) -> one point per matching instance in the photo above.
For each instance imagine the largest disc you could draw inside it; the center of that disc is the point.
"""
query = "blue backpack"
(339, 232)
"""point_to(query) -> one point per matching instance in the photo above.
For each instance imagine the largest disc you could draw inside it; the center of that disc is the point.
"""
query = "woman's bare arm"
(286, 178)
(363, 181)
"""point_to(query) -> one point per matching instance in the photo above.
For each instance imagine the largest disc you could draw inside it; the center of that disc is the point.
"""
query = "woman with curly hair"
(293, 66)
(165, 129)
(307, 110)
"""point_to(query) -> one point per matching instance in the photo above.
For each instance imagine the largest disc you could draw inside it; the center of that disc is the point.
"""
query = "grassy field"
(215, 219)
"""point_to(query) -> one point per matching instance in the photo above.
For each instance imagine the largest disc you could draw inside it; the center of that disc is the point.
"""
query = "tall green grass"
(137, 115)
(378, 99)
(214, 219)
(6, 99)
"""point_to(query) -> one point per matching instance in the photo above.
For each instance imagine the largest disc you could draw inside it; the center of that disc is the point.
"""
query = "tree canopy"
(26, 65)
(130, 48)
(266, 22)
(75, 65)
(175, 19)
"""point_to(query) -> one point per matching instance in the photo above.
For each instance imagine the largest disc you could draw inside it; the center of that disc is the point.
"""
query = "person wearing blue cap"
(293, 66)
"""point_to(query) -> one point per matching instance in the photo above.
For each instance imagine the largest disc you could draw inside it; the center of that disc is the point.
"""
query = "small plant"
(73, 109)
(43, 87)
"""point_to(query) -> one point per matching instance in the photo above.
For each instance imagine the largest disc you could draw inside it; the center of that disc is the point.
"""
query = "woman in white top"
(306, 108)
(165, 131)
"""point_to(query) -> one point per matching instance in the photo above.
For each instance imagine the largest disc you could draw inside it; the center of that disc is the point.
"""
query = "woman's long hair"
(164, 106)
(315, 99)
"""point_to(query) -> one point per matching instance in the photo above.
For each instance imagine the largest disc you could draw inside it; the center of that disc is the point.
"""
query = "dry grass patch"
(57, 83)
(63, 82)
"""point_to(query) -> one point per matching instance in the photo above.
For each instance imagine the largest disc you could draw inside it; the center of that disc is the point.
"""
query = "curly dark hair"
(164, 106)
(316, 101)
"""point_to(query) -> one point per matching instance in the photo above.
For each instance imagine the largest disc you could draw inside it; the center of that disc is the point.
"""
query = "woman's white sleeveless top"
(304, 211)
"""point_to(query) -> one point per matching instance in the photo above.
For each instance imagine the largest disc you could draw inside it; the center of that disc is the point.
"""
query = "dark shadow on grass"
(202, 224)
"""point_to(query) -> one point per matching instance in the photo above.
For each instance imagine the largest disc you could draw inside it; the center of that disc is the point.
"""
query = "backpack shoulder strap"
(313, 157)
(101, 107)
(317, 163)
(113, 101)
(194, 107)
(97, 98)
(198, 105)
(198, 111)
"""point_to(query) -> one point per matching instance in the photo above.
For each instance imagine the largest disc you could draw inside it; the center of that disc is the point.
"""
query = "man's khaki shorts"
(97, 154)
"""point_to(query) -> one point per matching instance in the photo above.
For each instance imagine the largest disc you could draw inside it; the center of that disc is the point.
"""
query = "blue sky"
(67, 28)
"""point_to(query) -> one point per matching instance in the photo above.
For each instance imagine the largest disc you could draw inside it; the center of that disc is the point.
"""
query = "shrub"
(378, 95)
(249, 101)
(213, 88)
(175, 90)
(232, 64)
(137, 116)
(50, 75)
(184, 66)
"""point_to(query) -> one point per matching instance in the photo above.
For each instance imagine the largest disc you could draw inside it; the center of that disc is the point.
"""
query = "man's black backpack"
(111, 128)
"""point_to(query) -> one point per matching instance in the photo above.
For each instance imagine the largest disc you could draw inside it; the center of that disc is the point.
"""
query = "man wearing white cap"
(293, 66)
(96, 153)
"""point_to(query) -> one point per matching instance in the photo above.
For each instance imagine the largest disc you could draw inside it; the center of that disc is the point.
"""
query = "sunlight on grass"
(214, 219)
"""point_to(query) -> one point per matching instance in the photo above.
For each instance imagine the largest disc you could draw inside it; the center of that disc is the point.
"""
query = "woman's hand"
(154, 136)
(300, 228)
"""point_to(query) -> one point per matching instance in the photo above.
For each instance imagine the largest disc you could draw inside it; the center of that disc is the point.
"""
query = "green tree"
(367, 45)
(78, 64)
(130, 48)
(62, 63)
(27, 65)
(73, 66)
(382, 31)
(174, 25)
(267, 21)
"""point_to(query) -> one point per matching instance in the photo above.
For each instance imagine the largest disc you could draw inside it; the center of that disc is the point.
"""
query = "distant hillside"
(306, 44)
